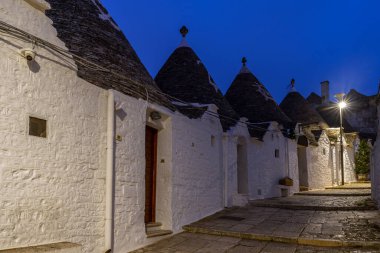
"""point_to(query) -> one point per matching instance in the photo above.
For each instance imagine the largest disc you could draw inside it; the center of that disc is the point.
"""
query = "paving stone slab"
(323, 203)
(337, 192)
(328, 228)
(218, 244)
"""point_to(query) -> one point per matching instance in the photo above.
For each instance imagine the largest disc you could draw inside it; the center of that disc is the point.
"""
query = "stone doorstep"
(59, 247)
(157, 233)
(291, 240)
(153, 229)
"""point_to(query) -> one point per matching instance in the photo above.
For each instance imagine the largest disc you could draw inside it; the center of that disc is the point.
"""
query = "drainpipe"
(225, 167)
(109, 171)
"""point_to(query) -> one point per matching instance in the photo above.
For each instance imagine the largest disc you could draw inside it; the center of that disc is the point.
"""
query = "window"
(324, 151)
(212, 140)
(276, 153)
(37, 127)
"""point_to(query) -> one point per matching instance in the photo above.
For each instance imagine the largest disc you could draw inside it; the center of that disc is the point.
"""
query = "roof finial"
(184, 31)
(292, 85)
(244, 61)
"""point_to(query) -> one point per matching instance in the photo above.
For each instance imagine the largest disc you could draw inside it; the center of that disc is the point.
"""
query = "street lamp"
(341, 104)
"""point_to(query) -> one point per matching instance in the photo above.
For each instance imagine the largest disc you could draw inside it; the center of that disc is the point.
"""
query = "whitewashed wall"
(293, 165)
(349, 163)
(238, 135)
(320, 174)
(189, 171)
(267, 170)
(375, 171)
(52, 189)
(375, 165)
(197, 172)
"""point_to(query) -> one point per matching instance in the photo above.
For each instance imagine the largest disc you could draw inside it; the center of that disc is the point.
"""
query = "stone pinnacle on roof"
(292, 85)
(250, 99)
(184, 31)
(244, 61)
(299, 110)
(186, 78)
(244, 68)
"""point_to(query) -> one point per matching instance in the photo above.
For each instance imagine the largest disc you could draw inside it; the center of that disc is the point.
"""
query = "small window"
(277, 153)
(212, 140)
(324, 151)
(37, 127)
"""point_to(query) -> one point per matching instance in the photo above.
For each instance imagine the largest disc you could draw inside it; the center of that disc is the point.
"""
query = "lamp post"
(341, 105)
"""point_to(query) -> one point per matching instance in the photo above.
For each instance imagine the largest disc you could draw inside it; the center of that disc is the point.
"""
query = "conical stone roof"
(185, 77)
(88, 31)
(299, 110)
(250, 99)
(314, 99)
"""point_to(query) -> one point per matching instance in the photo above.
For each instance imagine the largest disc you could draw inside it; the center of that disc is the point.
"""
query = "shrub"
(362, 157)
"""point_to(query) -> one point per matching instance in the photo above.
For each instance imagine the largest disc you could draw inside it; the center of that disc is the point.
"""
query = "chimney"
(325, 92)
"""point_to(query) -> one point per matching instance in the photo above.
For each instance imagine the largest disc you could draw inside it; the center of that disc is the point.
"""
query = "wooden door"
(150, 173)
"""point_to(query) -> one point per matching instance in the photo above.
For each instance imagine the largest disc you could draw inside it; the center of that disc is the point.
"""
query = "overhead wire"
(36, 41)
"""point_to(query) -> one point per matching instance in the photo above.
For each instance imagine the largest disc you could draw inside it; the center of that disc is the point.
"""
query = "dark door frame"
(150, 215)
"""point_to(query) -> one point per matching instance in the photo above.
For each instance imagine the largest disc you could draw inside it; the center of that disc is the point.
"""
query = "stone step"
(153, 226)
(61, 247)
(156, 233)
(338, 193)
(348, 188)
(300, 240)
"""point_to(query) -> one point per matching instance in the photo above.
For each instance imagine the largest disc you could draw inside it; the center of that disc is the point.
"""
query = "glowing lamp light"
(342, 105)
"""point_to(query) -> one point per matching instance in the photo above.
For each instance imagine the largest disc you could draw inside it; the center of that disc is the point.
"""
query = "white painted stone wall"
(238, 135)
(320, 173)
(375, 165)
(197, 172)
(266, 170)
(375, 171)
(349, 163)
(52, 189)
(189, 171)
(293, 166)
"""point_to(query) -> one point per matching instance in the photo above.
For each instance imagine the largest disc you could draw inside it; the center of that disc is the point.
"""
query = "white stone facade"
(375, 166)
(54, 188)
(189, 178)
(319, 161)
(320, 164)
(266, 170)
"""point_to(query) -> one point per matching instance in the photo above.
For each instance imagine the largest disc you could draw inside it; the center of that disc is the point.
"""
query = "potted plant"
(362, 160)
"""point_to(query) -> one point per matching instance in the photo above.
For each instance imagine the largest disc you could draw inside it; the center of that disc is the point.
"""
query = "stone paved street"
(341, 192)
(290, 228)
(201, 243)
(318, 202)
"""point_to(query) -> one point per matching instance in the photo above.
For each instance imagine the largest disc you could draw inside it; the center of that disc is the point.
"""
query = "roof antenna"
(244, 61)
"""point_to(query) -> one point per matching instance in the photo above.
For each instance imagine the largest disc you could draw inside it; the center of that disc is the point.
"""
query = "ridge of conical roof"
(250, 99)
(299, 110)
(88, 31)
(185, 77)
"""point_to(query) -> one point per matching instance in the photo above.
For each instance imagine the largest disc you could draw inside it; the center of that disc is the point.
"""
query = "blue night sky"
(311, 41)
